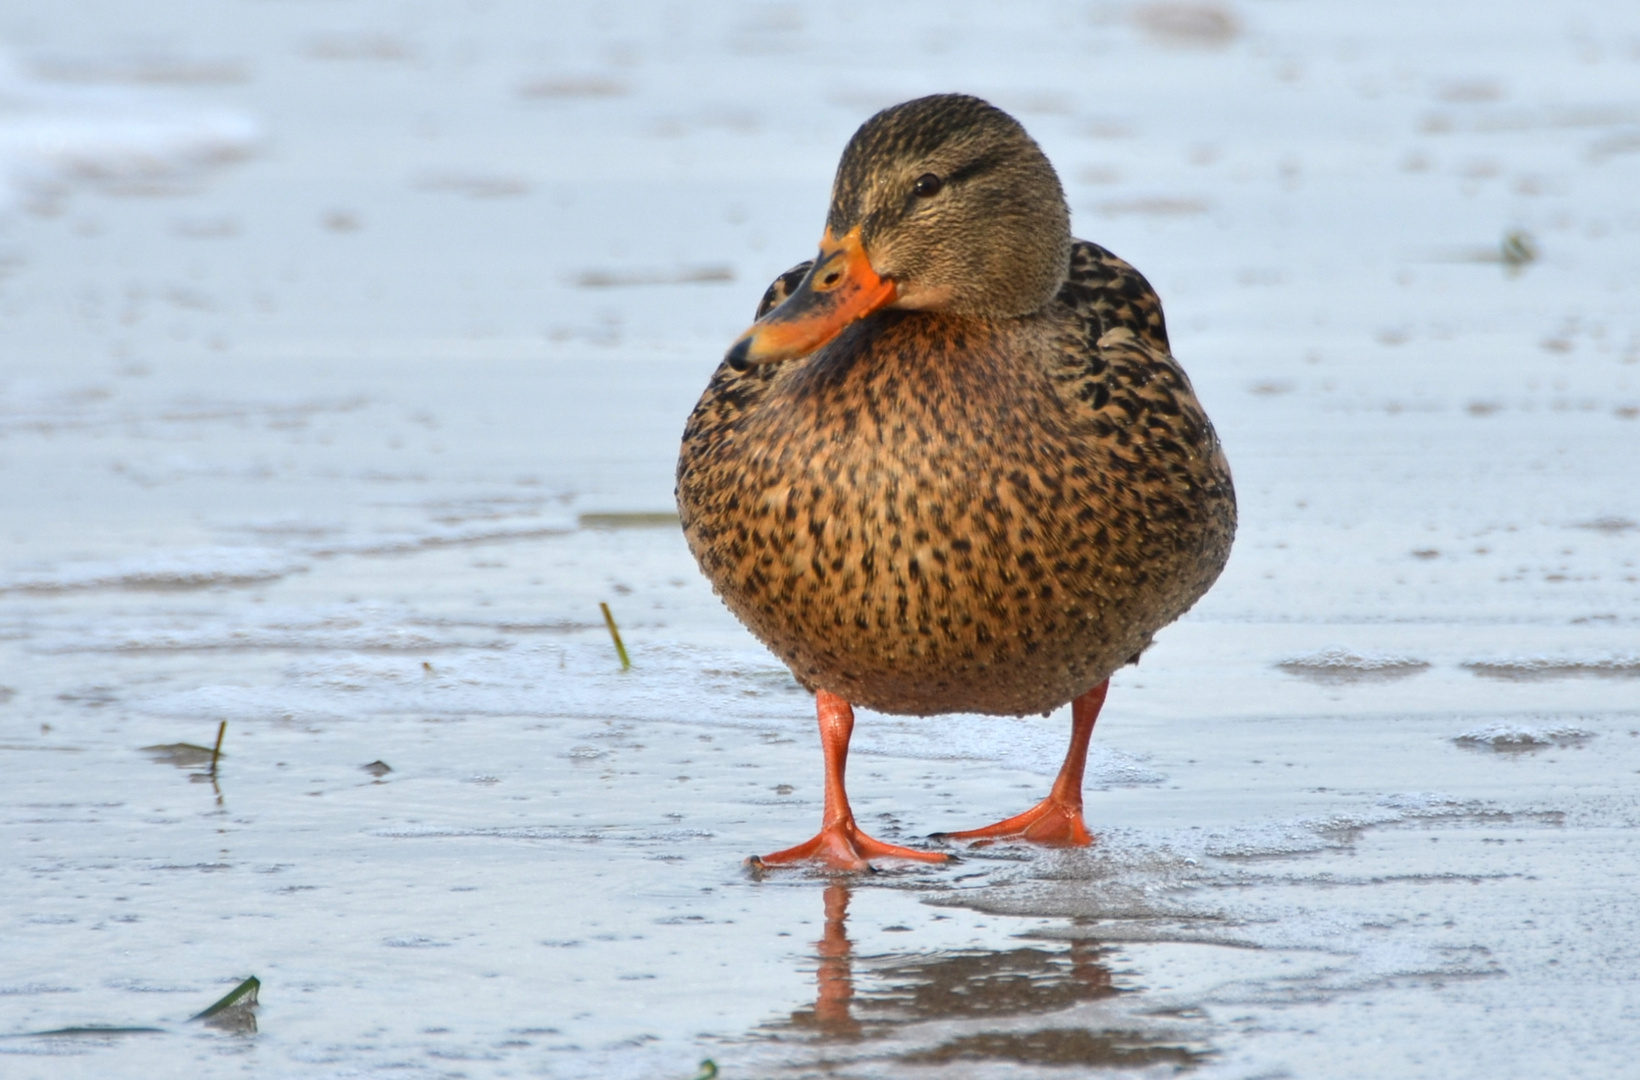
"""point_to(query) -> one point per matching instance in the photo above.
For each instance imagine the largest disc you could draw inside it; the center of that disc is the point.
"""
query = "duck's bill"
(840, 287)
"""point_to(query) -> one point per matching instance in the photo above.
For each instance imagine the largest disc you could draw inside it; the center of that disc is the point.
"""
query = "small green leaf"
(242, 996)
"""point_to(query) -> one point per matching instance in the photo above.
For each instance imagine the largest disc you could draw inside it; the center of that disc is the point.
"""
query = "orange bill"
(840, 288)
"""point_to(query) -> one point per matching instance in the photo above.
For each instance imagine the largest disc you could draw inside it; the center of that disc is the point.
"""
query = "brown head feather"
(993, 240)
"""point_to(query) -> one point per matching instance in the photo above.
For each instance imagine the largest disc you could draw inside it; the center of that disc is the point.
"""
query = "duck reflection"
(834, 994)
(859, 999)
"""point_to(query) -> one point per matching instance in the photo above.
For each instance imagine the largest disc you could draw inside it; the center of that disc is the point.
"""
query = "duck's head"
(940, 204)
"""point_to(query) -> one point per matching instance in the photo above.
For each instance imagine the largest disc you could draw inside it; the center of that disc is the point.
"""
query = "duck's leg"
(1056, 820)
(840, 844)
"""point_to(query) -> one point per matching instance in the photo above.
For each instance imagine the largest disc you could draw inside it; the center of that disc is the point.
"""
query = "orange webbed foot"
(1051, 822)
(844, 847)
(1057, 820)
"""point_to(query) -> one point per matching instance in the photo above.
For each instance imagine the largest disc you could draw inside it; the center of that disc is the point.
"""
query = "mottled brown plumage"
(951, 513)
(986, 503)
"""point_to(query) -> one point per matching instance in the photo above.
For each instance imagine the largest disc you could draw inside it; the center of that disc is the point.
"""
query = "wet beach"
(344, 352)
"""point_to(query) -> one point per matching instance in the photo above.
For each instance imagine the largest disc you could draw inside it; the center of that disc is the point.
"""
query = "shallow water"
(345, 351)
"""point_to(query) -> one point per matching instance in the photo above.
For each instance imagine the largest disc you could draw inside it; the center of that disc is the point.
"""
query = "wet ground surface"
(345, 352)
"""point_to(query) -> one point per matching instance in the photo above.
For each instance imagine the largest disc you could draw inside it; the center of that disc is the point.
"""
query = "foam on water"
(1538, 668)
(572, 678)
(1233, 887)
(174, 569)
(390, 542)
(276, 550)
(1027, 744)
(1340, 663)
(42, 407)
(52, 135)
(1523, 736)
(330, 631)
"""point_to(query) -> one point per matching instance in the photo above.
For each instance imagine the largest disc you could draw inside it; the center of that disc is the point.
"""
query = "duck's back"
(936, 514)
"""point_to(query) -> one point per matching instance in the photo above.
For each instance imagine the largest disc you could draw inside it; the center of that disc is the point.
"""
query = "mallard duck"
(953, 467)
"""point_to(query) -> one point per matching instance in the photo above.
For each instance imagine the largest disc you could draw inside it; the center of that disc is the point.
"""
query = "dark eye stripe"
(974, 168)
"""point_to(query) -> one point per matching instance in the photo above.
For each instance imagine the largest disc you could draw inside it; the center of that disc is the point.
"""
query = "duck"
(953, 467)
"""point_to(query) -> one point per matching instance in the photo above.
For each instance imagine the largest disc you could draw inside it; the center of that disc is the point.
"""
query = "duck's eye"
(927, 185)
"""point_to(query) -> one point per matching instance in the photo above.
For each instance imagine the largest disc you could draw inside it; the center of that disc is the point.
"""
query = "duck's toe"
(842, 846)
(1052, 822)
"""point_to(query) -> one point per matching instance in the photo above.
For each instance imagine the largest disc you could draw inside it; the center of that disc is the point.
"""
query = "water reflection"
(876, 999)
(201, 760)
(834, 995)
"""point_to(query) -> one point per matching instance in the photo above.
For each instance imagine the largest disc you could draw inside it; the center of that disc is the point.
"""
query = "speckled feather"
(935, 513)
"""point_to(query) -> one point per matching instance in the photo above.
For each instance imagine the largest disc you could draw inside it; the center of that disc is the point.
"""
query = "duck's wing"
(1111, 366)
(713, 428)
(783, 286)
(1119, 383)
(1113, 296)
(1149, 464)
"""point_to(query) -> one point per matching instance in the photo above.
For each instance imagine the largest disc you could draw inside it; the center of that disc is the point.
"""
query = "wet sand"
(345, 353)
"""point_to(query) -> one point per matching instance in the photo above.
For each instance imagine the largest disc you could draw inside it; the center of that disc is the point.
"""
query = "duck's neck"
(895, 354)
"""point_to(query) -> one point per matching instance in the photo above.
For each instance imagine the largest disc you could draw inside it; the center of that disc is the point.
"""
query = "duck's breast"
(917, 519)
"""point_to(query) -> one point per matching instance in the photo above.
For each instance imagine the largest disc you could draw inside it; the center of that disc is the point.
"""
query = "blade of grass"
(216, 751)
(615, 634)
